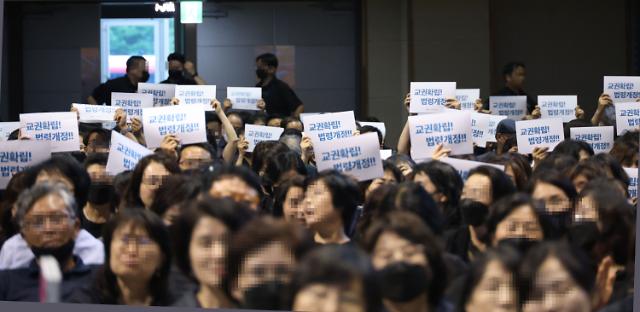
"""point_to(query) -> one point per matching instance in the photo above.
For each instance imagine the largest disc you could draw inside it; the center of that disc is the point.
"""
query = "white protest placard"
(600, 138)
(464, 166)
(378, 125)
(430, 97)
(329, 126)
(627, 116)
(538, 133)
(198, 95)
(512, 106)
(385, 154)
(95, 113)
(633, 181)
(16, 156)
(132, 103)
(558, 106)
(6, 128)
(358, 156)
(467, 98)
(61, 129)
(244, 98)
(124, 153)
(452, 129)
(184, 121)
(162, 92)
(255, 134)
(483, 127)
(622, 88)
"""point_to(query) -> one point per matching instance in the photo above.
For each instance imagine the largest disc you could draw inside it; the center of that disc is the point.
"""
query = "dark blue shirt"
(24, 284)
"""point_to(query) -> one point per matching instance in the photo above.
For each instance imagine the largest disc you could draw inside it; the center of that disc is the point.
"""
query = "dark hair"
(338, 265)
(571, 258)
(521, 168)
(412, 197)
(280, 164)
(510, 67)
(399, 159)
(227, 171)
(176, 57)
(502, 208)
(447, 182)
(158, 285)
(96, 159)
(376, 205)
(176, 189)
(103, 137)
(132, 61)
(262, 151)
(16, 185)
(573, 148)
(625, 148)
(501, 185)
(345, 194)
(556, 179)
(367, 129)
(389, 166)
(120, 185)
(613, 167)
(259, 116)
(410, 227)
(576, 123)
(561, 163)
(68, 167)
(132, 194)
(281, 193)
(508, 257)
(268, 59)
(590, 168)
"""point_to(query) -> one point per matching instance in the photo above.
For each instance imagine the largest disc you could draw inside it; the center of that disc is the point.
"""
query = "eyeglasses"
(37, 222)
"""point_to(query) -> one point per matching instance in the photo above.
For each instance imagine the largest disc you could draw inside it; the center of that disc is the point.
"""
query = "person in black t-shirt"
(137, 71)
(279, 99)
(182, 72)
(514, 74)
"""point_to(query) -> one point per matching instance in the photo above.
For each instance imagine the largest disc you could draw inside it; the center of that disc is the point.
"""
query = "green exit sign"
(191, 12)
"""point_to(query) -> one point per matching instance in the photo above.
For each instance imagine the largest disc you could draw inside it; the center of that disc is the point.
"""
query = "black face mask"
(266, 296)
(473, 212)
(402, 282)
(261, 73)
(175, 74)
(145, 76)
(560, 222)
(61, 253)
(521, 244)
(584, 235)
(100, 193)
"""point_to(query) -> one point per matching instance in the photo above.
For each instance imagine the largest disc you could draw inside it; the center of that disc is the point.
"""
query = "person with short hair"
(279, 99)
(137, 71)
(181, 71)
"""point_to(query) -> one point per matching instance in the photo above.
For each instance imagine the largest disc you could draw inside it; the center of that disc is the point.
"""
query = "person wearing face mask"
(100, 201)
(279, 99)
(181, 71)
(47, 217)
(410, 271)
(558, 194)
(137, 71)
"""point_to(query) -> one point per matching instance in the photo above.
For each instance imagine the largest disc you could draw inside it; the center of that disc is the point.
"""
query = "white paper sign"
(467, 98)
(600, 138)
(256, 134)
(162, 92)
(132, 103)
(16, 156)
(244, 98)
(633, 181)
(358, 156)
(514, 107)
(452, 129)
(198, 95)
(386, 153)
(464, 166)
(430, 97)
(184, 121)
(329, 126)
(95, 113)
(622, 88)
(6, 128)
(627, 116)
(558, 106)
(61, 129)
(378, 125)
(483, 127)
(124, 154)
(538, 133)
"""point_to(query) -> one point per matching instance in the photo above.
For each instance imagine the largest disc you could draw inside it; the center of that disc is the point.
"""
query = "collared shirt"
(280, 100)
(16, 254)
(24, 284)
(102, 93)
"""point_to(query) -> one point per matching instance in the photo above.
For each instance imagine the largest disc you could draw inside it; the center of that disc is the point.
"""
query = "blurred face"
(236, 121)
(272, 262)
(261, 65)
(424, 180)
(555, 200)
(98, 174)
(555, 290)
(391, 248)
(134, 255)
(387, 178)
(47, 224)
(478, 188)
(193, 157)
(579, 182)
(330, 298)
(55, 177)
(138, 69)
(496, 290)
(175, 65)
(292, 206)
(214, 128)
(517, 77)
(294, 125)
(318, 205)
(522, 222)
(207, 251)
(274, 122)
(236, 189)
(152, 178)
(586, 209)
(96, 144)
